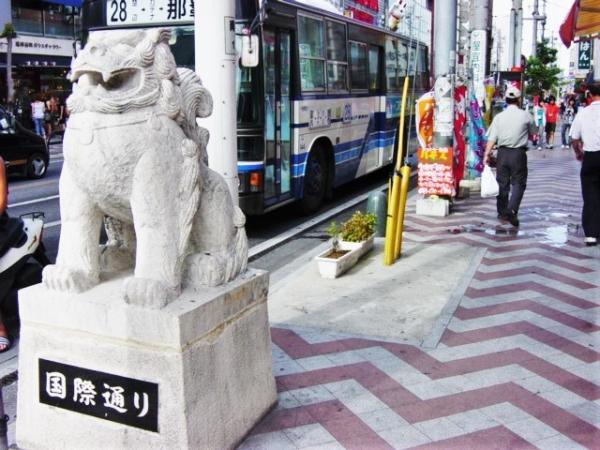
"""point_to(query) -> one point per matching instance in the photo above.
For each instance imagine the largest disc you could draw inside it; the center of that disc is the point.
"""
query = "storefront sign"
(142, 12)
(435, 175)
(32, 45)
(585, 55)
(103, 395)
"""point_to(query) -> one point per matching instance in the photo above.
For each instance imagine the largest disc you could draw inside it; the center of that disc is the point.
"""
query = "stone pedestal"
(437, 207)
(209, 352)
(474, 186)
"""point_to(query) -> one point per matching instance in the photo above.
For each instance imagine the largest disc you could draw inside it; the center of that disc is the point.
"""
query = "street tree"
(541, 73)
(9, 34)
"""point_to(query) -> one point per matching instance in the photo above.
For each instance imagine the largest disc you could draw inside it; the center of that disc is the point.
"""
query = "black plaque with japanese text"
(104, 395)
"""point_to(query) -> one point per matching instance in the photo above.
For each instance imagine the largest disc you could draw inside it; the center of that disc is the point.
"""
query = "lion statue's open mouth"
(111, 84)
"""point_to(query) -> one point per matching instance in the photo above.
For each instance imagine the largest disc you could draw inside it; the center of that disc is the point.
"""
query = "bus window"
(312, 54)
(374, 78)
(337, 59)
(391, 65)
(359, 66)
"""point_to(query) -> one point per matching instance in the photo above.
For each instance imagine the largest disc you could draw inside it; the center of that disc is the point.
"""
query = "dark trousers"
(564, 132)
(511, 170)
(590, 190)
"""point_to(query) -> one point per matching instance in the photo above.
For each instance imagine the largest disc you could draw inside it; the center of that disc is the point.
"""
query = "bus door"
(278, 142)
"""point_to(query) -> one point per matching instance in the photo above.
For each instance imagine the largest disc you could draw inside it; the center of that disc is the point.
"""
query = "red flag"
(567, 29)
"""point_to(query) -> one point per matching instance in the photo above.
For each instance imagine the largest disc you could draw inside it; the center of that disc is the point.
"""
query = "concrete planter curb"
(334, 267)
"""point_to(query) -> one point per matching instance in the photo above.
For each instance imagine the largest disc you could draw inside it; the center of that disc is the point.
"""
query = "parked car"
(22, 149)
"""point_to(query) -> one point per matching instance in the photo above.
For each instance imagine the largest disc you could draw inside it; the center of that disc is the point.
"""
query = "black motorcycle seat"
(11, 234)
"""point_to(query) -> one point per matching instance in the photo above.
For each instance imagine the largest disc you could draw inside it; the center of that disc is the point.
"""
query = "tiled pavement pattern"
(518, 366)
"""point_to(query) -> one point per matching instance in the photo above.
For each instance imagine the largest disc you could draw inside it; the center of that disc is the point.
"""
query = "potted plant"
(349, 242)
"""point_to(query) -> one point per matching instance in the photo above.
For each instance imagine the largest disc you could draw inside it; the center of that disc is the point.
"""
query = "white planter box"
(333, 268)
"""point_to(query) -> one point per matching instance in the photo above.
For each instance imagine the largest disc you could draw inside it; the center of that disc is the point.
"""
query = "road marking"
(31, 184)
(31, 202)
(269, 244)
(52, 224)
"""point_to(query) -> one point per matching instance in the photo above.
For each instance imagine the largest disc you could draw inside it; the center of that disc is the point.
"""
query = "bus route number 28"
(118, 9)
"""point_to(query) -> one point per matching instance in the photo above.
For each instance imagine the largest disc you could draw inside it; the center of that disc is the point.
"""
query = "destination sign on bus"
(145, 12)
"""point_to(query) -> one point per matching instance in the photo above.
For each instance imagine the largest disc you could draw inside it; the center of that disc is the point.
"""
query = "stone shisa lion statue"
(135, 159)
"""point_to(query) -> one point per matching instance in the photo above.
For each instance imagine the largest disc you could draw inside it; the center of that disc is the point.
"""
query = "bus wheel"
(315, 182)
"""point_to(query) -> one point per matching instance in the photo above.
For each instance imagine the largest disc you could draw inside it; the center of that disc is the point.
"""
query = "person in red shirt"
(552, 112)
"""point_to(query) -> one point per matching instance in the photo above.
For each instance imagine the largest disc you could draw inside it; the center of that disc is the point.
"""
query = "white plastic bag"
(489, 185)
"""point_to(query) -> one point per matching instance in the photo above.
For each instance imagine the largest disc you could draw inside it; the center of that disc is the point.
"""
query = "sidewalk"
(509, 361)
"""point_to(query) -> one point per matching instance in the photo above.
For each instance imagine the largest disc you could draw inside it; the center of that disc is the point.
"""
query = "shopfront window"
(27, 20)
(58, 20)
(48, 20)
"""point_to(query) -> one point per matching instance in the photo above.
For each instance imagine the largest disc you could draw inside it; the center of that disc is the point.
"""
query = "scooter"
(22, 257)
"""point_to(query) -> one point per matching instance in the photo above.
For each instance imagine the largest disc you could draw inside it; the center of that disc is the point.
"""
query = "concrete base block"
(472, 185)
(209, 352)
(463, 192)
(437, 207)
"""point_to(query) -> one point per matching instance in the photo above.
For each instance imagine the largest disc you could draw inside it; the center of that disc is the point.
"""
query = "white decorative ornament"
(135, 159)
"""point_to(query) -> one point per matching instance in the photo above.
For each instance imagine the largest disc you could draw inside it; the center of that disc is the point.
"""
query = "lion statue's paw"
(148, 293)
(69, 279)
(114, 258)
(205, 270)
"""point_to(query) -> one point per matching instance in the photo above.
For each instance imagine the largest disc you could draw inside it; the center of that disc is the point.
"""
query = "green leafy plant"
(334, 233)
(359, 227)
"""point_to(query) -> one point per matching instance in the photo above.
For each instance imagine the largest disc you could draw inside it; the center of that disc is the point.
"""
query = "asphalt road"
(42, 195)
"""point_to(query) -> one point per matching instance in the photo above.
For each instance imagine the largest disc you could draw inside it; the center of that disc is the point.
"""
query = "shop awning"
(76, 3)
(583, 20)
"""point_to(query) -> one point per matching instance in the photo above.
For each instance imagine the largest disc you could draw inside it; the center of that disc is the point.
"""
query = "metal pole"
(518, 32)
(3, 425)
(535, 20)
(444, 66)
(511, 35)
(216, 63)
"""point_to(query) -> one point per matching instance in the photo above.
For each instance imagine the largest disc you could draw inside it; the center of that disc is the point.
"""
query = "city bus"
(322, 107)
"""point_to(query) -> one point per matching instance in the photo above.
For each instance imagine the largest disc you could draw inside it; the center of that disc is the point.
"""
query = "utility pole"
(543, 19)
(463, 38)
(444, 66)
(216, 63)
(516, 31)
(535, 17)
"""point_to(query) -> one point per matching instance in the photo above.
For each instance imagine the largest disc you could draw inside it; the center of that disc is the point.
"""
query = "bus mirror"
(250, 51)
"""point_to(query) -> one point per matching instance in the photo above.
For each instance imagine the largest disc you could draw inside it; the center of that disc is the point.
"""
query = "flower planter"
(333, 268)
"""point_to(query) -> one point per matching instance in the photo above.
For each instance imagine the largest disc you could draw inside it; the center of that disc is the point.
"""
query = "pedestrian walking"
(567, 117)
(38, 109)
(585, 139)
(551, 119)
(510, 130)
(539, 118)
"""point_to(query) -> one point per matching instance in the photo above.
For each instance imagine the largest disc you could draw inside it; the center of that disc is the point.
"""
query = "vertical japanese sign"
(477, 62)
(584, 55)
(106, 396)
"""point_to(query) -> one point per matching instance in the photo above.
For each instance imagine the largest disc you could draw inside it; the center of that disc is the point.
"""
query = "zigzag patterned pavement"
(517, 367)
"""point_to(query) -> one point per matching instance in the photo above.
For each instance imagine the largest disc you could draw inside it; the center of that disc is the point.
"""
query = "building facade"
(47, 37)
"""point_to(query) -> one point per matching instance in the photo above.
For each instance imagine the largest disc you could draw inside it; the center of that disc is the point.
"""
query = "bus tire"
(315, 181)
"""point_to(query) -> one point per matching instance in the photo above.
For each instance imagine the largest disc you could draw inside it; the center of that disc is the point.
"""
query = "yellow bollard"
(404, 180)
(389, 254)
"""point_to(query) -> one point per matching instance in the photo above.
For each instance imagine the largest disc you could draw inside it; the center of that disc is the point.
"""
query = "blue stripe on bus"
(250, 167)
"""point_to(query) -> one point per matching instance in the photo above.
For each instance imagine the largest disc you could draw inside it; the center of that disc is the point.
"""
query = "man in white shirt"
(585, 139)
(510, 130)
